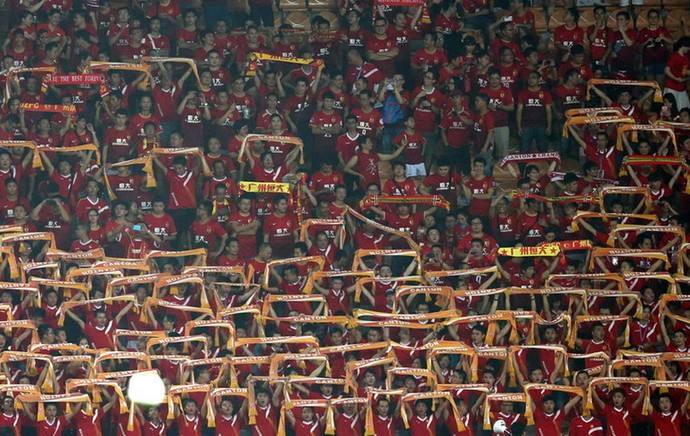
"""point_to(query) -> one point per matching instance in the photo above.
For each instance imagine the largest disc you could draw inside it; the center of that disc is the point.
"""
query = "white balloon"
(500, 426)
(146, 388)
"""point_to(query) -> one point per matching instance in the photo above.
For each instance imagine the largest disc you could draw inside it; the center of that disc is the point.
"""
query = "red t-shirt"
(423, 426)
(266, 421)
(589, 426)
(231, 426)
(247, 242)
(534, 112)
(208, 233)
(280, 229)
(189, 427)
(617, 420)
(479, 207)
(368, 123)
(548, 424)
(413, 151)
(182, 190)
(57, 427)
(100, 337)
(679, 65)
(425, 118)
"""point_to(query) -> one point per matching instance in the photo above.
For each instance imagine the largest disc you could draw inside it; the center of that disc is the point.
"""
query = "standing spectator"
(677, 73)
(568, 34)
(655, 41)
(382, 48)
(534, 115)
(621, 48)
(427, 103)
(181, 182)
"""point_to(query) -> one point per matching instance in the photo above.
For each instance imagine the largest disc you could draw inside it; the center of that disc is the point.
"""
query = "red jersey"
(617, 420)
(54, 428)
(424, 117)
(534, 102)
(569, 37)
(368, 123)
(368, 166)
(323, 119)
(189, 427)
(182, 190)
(208, 233)
(160, 226)
(479, 207)
(325, 182)
(151, 429)
(679, 66)
(266, 421)
(377, 45)
(247, 242)
(423, 426)
(429, 60)
(347, 145)
(586, 426)
(100, 337)
(85, 204)
(280, 229)
(548, 424)
(307, 428)
(231, 426)
(89, 424)
(383, 426)
(405, 188)
(345, 424)
(569, 98)
(447, 186)
(413, 151)
(499, 96)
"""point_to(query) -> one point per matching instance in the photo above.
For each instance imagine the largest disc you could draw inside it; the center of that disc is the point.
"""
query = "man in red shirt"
(384, 419)
(118, 33)
(586, 426)
(369, 120)
(118, 139)
(266, 414)
(666, 420)
(182, 201)
(323, 182)
(280, 228)
(547, 420)
(414, 145)
(621, 49)
(501, 104)
(534, 115)
(677, 72)
(308, 424)
(456, 125)
(617, 415)
(100, 334)
(206, 232)
(568, 34)
(381, 48)
(444, 182)
(11, 199)
(52, 424)
(243, 225)
(427, 104)
(422, 423)
(358, 69)
(326, 125)
(479, 189)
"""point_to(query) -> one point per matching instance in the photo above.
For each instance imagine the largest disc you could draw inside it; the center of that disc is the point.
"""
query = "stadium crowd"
(408, 217)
